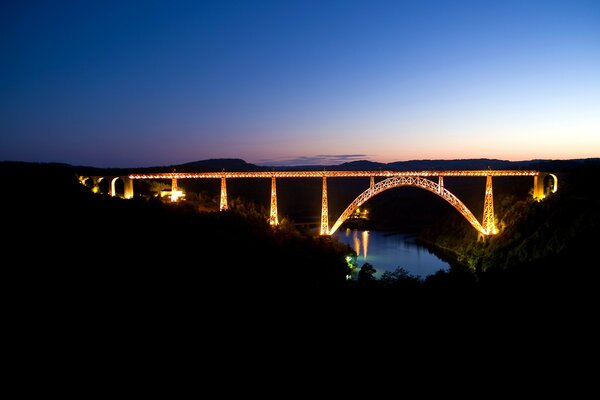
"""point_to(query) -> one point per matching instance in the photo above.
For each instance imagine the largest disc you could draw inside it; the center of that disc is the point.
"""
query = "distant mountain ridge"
(466, 164)
(237, 164)
(227, 163)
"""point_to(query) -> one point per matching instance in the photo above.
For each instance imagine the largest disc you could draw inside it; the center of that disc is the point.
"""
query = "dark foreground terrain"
(88, 252)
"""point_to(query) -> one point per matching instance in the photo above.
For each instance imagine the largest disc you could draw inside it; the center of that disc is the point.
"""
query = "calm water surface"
(387, 251)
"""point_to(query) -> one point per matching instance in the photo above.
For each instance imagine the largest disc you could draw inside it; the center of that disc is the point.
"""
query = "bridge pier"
(372, 183)
(173, 189)
(273, 220)
(489, 223)
(223, 202)
(127, 187)
(440, 184)
(324, 210)
(539, 189)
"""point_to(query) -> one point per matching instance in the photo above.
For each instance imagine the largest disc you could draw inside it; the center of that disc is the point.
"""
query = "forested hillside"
(555, 239)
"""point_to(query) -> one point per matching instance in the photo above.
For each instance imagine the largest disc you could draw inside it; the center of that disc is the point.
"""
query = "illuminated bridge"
(432, 181)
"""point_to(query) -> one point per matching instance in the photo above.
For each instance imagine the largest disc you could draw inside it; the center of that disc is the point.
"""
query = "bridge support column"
(95, 185)
(324, 210)
(127, 187)
(539, 188)
(489, 224)
(173, 189)
(273, 220)
(223, 203)
(440, 184)
(372, 184)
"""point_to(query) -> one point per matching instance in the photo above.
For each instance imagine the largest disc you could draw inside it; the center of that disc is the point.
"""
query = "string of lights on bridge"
(327, 174)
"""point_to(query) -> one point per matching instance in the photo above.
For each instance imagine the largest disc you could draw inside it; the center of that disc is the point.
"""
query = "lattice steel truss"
(273, 220)
(489, 223)
(223, 203)
(393, 179)
(324, 210)
(328, 174)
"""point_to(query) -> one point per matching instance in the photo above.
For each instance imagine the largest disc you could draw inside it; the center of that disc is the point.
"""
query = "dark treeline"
(546, 246)
(92, 252)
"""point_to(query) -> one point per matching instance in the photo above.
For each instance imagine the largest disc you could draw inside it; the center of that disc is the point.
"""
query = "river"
(386, 251)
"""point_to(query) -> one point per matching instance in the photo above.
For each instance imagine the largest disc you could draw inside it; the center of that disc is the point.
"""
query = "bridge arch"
(416, 181)
(113, 186)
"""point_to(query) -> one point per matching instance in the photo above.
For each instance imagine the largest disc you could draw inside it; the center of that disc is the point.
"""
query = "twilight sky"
(142, 83)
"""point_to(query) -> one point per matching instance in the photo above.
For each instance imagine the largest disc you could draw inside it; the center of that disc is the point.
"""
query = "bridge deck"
(328, 174)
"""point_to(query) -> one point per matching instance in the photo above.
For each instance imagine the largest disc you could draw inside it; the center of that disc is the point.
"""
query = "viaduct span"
(432, 181)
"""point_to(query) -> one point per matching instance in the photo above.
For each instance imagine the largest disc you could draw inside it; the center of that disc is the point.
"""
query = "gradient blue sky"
(129, 83)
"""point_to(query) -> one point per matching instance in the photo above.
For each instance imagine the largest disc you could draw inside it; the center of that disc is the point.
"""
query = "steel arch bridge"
(416, 181)
(421, 179)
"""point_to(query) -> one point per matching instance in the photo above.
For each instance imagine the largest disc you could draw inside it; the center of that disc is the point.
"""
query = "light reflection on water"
(387, 251)
(365, 242)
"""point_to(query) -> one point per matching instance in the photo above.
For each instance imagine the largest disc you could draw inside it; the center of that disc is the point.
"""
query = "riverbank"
(445, 253)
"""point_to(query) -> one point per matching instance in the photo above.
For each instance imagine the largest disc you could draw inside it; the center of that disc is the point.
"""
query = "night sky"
(146, 83)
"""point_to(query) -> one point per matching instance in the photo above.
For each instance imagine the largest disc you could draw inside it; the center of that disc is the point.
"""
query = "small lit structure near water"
(174, 195)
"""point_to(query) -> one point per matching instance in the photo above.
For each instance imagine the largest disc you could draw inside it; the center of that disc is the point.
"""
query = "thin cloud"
(320, 159)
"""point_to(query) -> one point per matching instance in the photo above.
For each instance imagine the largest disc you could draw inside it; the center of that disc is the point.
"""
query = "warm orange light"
(356, 241)
(329, 174)
(393, 179)
(176, 195)
(365, 243)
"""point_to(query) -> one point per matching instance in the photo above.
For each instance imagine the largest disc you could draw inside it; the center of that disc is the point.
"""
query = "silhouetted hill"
(211, 165)
(311, 167)
(485, 163)
(364, 165)
(237, 164)
(559, 165)
(550, 245)
(468, 164)
(480, 163)
(227, 164)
